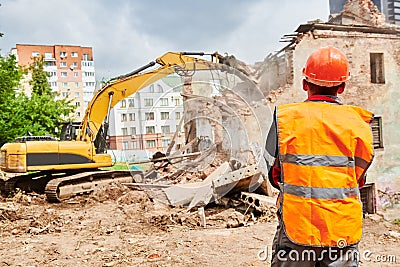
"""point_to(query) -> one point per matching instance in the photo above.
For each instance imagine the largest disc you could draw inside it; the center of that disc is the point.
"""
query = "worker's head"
(326, 71)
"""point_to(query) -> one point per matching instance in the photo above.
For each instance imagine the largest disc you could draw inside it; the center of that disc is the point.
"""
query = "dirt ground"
(117, 226)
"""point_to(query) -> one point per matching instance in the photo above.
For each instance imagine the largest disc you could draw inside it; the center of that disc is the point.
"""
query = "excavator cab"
(69, 130)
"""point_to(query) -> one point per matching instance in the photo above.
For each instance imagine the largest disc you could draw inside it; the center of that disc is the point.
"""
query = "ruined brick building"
(373, 49)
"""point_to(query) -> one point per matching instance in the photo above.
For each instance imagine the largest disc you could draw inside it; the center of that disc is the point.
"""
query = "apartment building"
(390, 8)
(146, 121)
(71, 69)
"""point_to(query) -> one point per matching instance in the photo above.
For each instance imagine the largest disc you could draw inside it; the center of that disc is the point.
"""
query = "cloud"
(128, 34)
(260, 33)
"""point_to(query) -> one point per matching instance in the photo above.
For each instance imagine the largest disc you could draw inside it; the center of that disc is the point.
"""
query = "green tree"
(38, 114)
(39, 82)
(10, 76)
(43, 110)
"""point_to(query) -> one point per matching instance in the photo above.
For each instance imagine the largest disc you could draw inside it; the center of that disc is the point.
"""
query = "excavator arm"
(123, 86)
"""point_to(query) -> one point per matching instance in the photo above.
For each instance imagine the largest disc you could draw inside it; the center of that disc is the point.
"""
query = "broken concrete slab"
(238, 180)
(193, 194)
(218, 184)
(259, 202)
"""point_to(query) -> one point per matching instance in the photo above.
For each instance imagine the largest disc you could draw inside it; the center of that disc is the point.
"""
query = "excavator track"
(61, 186)
(83, 183)
(27, 182)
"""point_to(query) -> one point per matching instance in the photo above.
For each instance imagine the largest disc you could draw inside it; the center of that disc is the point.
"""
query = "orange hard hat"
(327, 66)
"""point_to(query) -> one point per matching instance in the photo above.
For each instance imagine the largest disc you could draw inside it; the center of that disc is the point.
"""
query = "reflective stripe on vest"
(317, 192)
(323, 151)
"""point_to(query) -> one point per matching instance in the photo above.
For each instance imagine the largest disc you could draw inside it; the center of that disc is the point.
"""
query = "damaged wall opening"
(376, 126)
(377, 68)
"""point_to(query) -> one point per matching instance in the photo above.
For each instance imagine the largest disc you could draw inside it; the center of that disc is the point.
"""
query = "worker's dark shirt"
(271, 146)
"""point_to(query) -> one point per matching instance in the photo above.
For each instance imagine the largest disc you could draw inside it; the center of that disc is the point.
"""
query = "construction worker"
(322, 150)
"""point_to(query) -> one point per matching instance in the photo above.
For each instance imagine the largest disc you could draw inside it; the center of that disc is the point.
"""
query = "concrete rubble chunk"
(261, 203)
(394, 234)
(193, 194)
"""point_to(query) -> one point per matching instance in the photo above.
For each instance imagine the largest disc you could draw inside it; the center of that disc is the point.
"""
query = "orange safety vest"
(324, 149)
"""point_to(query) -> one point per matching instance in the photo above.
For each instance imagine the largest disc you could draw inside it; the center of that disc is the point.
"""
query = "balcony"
(87, 63)
(49, 59)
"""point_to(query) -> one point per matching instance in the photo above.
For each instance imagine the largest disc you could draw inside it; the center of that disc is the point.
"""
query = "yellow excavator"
(71, 165)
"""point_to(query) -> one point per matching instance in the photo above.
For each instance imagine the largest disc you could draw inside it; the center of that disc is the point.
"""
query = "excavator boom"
(123, 86)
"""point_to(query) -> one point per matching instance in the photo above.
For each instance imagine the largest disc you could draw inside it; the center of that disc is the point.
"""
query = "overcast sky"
(126, 34)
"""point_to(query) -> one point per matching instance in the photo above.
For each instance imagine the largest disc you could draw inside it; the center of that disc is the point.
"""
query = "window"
(125, 145)
(63, 54)
(149, 116)
(377, 68)
(89, 84)
(165, 142)
(76, 94)
(87, 64)
(75, 64)
(134, 144)
(76, 74)
(131, 116)
(159, 88)
(78, 114)
(177, 115)
(150, 129)
(163, 102)
(123, 117)
(63, 74)
(77, 104)
(377, 137)
(165, 115)
(86, 57)
(123, 103)
(65, 94)
(53, 84)
(50, 63)
(74, 54)
(35, 54)
(148, 102)
(64, 84)
(177, 101)
(89, 74)
(150, 143)
(76, 84)
(165, 129)
(131, 102)
(124, 131)
(151, 88)
(48, 55)
(52, 73)
(133, 130)
(63, 64)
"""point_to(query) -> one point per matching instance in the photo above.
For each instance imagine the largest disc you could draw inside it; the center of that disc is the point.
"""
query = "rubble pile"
(225, 120)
